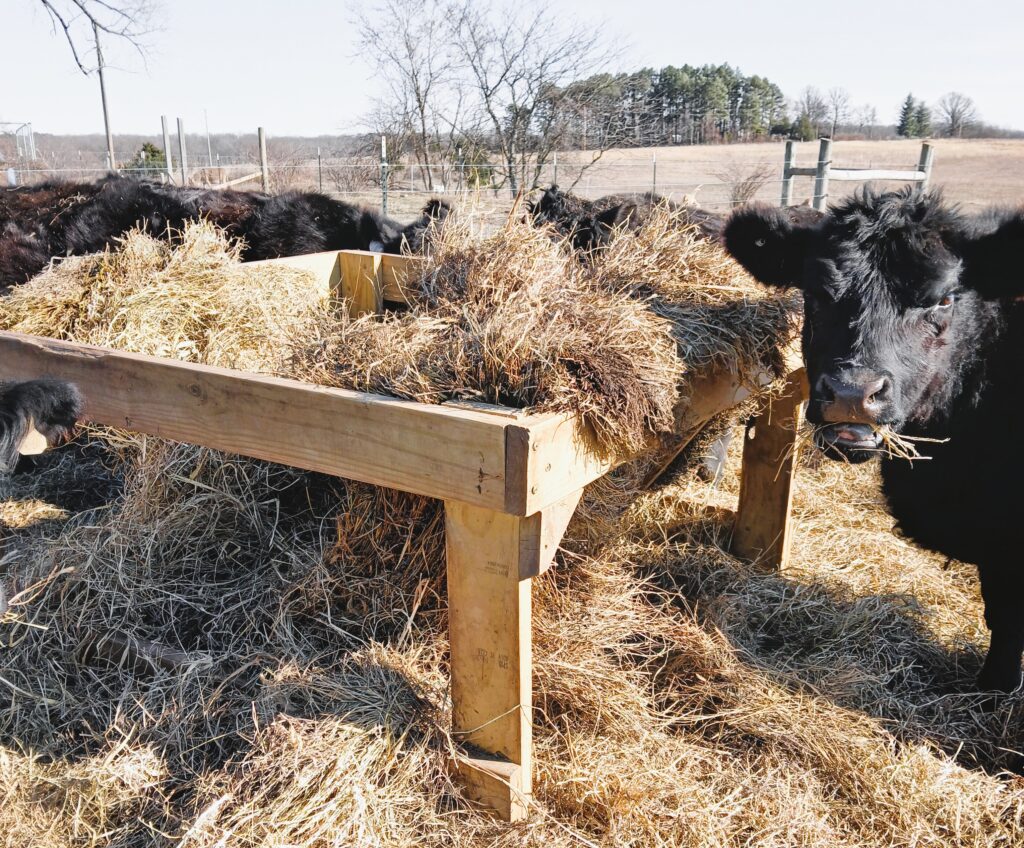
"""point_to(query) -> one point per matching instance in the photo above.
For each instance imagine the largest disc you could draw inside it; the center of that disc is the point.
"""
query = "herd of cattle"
(913, 323)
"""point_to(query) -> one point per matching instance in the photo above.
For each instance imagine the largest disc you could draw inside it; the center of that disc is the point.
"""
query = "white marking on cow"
(34, 442)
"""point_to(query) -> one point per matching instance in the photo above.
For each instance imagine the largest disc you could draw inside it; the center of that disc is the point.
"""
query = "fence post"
(319, 171)
(788, 162)
(384, 174)
(821, 177)
(182, 152)
(264, 168)
(554, 175)
(168, 163)
(925, 166)
(654, 173)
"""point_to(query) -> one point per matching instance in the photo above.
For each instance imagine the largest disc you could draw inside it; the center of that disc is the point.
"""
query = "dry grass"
(683, 699)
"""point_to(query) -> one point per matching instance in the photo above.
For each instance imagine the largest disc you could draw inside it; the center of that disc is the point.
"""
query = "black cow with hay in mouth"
(911, 331)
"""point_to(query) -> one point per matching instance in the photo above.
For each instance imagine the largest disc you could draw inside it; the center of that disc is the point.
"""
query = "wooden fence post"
(789, 160)
(182, 151)
(264, 168)
(168, 164)
(925, 166)
(821, 175)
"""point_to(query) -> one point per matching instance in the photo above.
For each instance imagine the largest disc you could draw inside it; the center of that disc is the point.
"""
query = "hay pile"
(232, 653)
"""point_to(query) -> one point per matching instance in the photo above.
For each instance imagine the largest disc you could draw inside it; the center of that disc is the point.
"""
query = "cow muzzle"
(860, 397)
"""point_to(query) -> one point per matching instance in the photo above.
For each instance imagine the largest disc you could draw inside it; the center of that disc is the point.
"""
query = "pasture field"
(973, 172)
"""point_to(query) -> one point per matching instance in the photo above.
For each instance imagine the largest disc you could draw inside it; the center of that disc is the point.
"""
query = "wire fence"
(401, 187)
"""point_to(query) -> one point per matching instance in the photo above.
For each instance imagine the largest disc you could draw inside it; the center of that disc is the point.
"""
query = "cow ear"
(994, 262)
(765, 242)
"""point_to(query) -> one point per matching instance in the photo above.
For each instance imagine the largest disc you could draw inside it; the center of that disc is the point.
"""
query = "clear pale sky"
(293, 67)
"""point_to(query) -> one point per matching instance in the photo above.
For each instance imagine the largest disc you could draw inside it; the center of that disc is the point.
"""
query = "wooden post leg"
(492, 557)
(762, 527)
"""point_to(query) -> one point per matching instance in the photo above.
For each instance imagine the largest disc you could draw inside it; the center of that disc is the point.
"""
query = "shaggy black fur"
(57, 220)
(893, 336)
(415, 237)
(51, 406)
(590, 224)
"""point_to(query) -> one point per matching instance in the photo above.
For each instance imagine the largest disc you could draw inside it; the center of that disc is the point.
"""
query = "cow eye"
(946, 302)
(760, 242)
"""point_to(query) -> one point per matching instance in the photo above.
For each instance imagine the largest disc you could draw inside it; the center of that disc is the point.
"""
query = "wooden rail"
(823, 172)
(510, 482)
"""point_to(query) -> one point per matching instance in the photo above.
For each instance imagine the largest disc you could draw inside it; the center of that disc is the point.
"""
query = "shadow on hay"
(870, 653)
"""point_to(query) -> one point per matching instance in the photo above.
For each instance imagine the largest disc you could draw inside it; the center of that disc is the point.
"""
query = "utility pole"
(103, 95)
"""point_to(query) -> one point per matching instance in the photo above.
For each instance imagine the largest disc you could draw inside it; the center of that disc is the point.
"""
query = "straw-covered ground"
(204, 650)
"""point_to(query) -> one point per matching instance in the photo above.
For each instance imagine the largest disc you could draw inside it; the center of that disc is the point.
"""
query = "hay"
(683, 700)
(194, 301)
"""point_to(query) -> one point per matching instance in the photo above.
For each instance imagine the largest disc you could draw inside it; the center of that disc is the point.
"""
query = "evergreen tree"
(923, 118)
(147, 162)
(907, 126)
(802, 129)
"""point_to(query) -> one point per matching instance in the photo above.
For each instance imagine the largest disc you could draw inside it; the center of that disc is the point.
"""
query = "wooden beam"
(397, 274)
(762, 529)
(325, 267)
(431, 450)
(360, 282)
(492, 557)
(865, 174)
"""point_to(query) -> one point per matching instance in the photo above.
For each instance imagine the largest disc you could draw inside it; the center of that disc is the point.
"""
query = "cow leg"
(1002, 588)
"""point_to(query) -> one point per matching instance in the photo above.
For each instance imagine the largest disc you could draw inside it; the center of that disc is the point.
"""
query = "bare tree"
(957, 112)
(521, 62)
(812, 103)
(867, 118)
(745, 182)
(838, 107)
(409, 42)
(130, 21)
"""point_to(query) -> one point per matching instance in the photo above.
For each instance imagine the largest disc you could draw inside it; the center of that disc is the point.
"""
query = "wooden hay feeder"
(510, 482)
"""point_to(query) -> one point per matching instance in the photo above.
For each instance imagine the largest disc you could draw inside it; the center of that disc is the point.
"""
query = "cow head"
(890, 329)
(586, 224)
(413, 238)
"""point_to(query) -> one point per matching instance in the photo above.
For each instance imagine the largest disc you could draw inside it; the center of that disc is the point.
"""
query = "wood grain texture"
(762, 529)
(430, 450)
(489, 633)
(360, 282)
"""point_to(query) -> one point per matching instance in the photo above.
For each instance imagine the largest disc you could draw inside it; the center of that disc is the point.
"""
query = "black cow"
(47, 409)
(306, 222)
(894, 337)
(44, 411)
(589, 224)
(50, 221)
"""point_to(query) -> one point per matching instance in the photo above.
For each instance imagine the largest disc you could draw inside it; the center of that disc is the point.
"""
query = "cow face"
(889, 326)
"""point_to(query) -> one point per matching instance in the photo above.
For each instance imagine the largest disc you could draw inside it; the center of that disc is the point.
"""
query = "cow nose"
(854, 399)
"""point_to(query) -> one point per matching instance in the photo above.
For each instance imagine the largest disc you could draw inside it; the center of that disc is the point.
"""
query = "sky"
(294, 67)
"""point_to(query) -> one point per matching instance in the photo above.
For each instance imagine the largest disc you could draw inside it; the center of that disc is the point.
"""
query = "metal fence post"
(168, 164)
(182, 152)
(554, 175)
(925, 166)
(264, 167)
(788, 162)
(319, 171)
(384, 174)
(654, 173)
(821, 177)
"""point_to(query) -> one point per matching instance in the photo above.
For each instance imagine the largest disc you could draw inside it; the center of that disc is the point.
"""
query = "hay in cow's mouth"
(857, 443)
